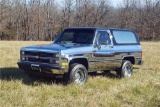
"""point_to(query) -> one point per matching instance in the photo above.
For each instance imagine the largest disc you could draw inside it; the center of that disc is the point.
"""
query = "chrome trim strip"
(39, 50)
(40, 63)
(101, 60)
(29, 56)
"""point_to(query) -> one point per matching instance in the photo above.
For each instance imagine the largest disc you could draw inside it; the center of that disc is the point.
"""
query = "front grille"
(38, 60)
(40, 57)
(40, 54)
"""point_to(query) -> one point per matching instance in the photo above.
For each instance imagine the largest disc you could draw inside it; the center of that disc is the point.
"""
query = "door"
(103, 52)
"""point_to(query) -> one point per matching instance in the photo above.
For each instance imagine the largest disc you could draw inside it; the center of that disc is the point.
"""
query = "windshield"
(80, 36)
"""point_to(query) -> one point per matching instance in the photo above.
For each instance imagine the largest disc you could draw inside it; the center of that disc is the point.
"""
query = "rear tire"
(125, 70)
(78, 74)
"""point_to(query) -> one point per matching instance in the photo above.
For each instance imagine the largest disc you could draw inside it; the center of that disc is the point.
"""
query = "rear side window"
(124, 37)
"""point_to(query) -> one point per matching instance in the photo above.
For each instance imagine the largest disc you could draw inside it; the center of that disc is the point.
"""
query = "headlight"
(57, 55)
(22, 58)
(22, 53)
(64, 55)
(57, 61)
(53, 61)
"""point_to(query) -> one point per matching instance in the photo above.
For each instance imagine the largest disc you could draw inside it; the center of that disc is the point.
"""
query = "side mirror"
(97, 45)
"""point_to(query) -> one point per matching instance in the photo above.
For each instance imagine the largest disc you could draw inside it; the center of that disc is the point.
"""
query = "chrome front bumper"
(48, 68)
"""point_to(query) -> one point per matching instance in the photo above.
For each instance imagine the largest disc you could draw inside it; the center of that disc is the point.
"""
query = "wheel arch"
(80, 60)
(129, 58)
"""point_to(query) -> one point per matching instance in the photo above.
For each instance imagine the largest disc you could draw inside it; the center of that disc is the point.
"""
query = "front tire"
(126, 69)
(78, 74)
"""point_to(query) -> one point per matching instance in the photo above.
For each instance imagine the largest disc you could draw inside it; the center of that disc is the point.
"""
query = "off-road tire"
(125, 70)
(77, 74)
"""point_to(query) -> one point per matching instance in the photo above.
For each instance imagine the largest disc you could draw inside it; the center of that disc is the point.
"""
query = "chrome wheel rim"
(128, 70)
(79, 77)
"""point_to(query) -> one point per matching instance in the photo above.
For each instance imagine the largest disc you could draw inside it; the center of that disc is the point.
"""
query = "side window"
(103, 37)
(124, 37)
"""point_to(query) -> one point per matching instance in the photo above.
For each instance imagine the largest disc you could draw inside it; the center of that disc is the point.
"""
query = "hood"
(52, 47)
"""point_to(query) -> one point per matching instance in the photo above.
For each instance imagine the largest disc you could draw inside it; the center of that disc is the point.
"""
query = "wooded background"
(44, 19)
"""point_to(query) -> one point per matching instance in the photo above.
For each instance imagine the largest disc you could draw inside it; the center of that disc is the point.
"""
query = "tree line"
(45, 19)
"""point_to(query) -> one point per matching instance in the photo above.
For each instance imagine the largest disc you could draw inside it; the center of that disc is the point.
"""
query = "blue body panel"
(98, 57)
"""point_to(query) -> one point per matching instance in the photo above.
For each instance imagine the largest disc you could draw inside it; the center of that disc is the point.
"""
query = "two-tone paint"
(96, 56)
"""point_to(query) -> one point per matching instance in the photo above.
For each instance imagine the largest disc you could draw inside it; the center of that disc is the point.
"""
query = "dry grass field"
(19, 90)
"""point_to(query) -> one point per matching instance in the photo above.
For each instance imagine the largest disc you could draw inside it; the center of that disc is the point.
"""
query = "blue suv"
(78, 51)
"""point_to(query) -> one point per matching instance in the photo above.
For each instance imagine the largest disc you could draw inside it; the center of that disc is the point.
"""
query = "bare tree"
(67, 11)
(43, 19)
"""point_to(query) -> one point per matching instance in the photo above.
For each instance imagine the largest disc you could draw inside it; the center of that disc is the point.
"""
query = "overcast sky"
(116, 2)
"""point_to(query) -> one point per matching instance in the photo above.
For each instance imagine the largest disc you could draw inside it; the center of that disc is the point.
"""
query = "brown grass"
(18, 89)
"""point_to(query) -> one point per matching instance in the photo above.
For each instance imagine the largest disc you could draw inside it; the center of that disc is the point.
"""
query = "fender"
(131, 58)
(79, 59)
